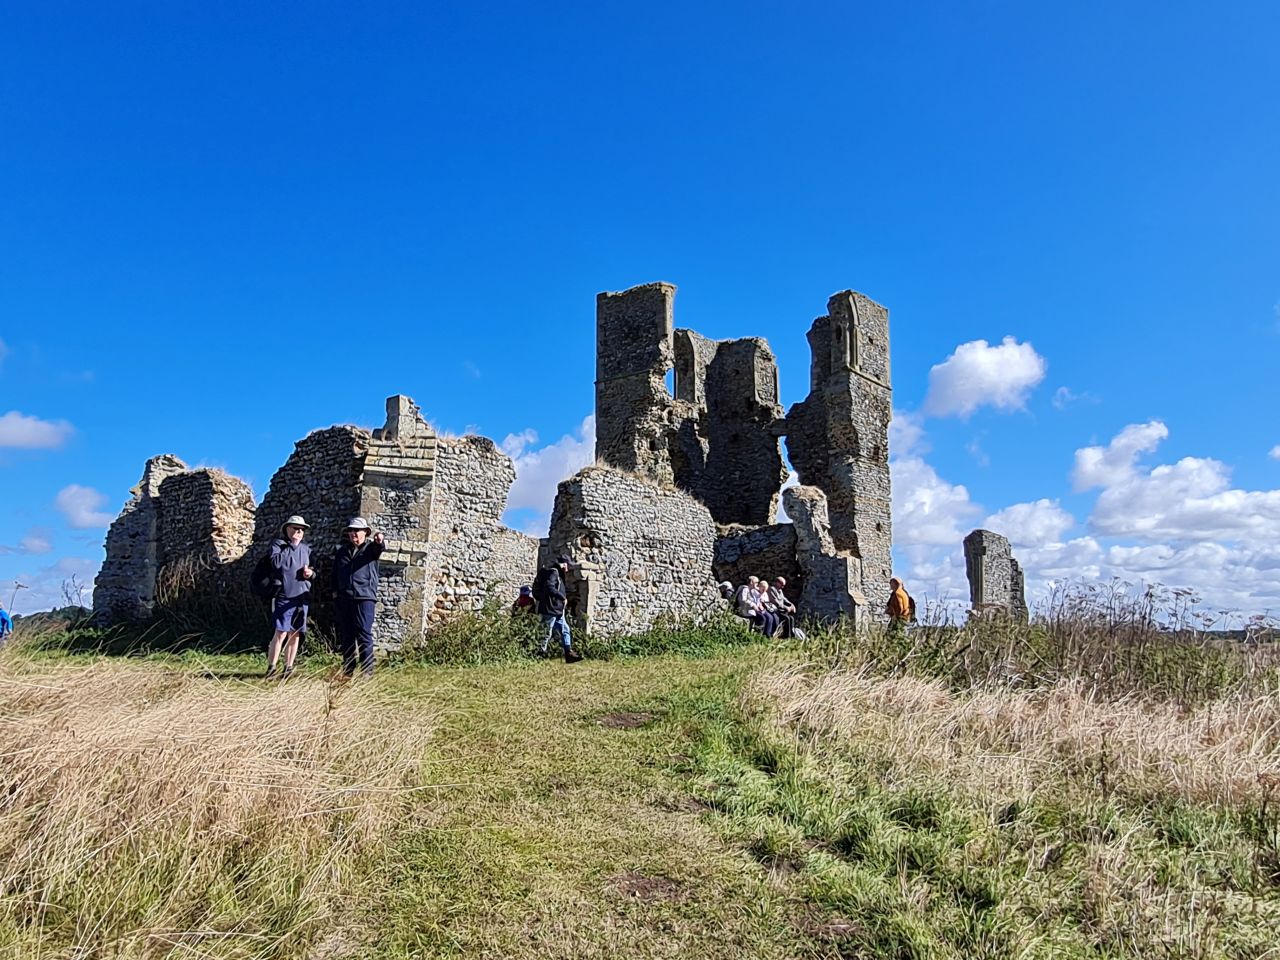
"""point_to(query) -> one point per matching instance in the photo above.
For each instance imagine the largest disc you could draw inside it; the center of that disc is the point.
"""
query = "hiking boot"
(286, 674)
(270, 674)
(571, 655)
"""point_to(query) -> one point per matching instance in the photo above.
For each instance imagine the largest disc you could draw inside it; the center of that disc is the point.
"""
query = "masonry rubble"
(685, 492)
(996, 585)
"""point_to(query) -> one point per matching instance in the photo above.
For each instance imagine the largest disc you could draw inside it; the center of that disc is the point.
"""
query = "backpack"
(264, 582)
(539, 591)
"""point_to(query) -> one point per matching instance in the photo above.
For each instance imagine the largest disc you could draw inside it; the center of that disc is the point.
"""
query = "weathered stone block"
(649, 548)
(995, 579)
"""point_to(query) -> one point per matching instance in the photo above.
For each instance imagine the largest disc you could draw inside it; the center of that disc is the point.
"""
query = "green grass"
(908, 865)
(651, 802)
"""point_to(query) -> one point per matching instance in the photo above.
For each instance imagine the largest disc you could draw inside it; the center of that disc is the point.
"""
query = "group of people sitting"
(764, 605)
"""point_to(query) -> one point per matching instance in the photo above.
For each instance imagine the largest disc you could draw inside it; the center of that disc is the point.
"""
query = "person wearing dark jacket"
(291, 561)
(355, 588)
(549, 594)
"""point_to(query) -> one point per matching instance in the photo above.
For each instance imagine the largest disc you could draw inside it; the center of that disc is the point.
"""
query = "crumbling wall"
(206, 515)
(995, 577)
(645, 548)
(838, 436)
(715, 434)
(743, 471)
(634, 351)
(204, 526)
(472, 554)
(124, 589)
(767, 552)
(832, 578)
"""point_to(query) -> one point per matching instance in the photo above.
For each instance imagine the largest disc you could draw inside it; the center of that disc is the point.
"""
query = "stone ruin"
(995, 579)
(708, 451)
(685, 491)
(437, 500)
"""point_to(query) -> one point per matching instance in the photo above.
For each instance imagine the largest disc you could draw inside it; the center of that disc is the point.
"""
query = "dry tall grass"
(148, 813)
(1223, 752)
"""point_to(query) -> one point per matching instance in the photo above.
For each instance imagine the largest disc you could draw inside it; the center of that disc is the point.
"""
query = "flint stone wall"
(715, 434)
(124, 589)
(832, 578)
(204, 526)
(645, 548)
(838, 436)
(995, 578)
(473, 555)
(206, 516)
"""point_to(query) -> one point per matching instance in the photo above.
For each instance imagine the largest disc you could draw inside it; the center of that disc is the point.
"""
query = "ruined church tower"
(838, 437)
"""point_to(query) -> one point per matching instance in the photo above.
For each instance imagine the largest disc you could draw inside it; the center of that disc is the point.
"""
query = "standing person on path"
(6, 625)
(550, 596)
(291, 561)
(901, 608)
(355, 588)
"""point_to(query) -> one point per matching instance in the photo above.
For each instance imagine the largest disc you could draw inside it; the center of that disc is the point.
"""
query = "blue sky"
(221, 228)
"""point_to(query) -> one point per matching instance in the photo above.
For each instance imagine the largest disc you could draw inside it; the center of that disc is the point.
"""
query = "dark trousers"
(355, 634)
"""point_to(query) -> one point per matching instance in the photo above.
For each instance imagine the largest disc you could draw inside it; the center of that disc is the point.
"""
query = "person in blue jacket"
(291, 559)
(6, 625)
(355, 589)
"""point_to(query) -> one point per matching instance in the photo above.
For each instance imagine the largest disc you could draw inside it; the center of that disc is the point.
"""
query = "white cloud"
(539, 471)
(48, 586)
(1035, 524)
(1181, 525)
(793, 480)
(514, 444)
(1274, 454)
(927, 510)
(1188, 500)
(36, 541)
(80, 507)
(978, 374)
(1104, 466)
(906, 435)
(32, 433)
(1064, 397)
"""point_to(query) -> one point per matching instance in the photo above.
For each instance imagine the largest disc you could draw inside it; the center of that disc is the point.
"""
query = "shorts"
(289, 614)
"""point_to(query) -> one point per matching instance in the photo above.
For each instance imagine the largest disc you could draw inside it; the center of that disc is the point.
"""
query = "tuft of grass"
(494, 635)
(924, 821)
(1114, 641)
(150, 812)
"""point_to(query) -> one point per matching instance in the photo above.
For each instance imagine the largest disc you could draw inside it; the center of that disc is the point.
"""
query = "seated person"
(784, 608)
(749, 605)
(524, 603)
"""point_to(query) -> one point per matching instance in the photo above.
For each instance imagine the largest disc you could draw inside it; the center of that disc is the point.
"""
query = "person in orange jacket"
(901, 607)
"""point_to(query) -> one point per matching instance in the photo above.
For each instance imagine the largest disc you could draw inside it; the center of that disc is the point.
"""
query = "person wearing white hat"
(291, 560)
(355, 588)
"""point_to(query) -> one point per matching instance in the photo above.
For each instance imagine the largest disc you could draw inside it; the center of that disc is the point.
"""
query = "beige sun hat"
(296, 521)
(359, 523)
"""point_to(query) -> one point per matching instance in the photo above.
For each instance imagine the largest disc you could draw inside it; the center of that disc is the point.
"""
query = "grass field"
(849, 798)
